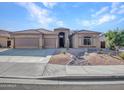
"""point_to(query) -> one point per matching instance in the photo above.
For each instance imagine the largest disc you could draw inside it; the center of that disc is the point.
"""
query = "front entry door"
(61, 39)
(8, 44)
(102, 44)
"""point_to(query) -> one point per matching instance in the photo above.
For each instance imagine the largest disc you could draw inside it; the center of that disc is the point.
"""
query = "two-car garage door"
(50, 42)
(26, 43)
(34, 43)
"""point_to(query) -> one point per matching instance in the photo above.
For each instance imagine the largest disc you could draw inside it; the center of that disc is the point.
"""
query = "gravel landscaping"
(60, 58)
(78, 57)
(104, 59)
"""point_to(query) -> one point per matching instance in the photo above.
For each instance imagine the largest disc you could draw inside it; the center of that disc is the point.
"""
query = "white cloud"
(114, 7)
(101, 11)
(117, 8)
(98, 21)
(40, 15)
(49, 4)
(121, 9)
(106, 14)
(106, 18)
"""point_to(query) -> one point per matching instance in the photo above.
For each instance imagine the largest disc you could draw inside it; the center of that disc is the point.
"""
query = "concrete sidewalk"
(40, 70)
(35, 76)
(81, 72)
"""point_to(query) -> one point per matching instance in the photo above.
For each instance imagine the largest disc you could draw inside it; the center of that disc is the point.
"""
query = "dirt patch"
(60, 58)
(103, 59)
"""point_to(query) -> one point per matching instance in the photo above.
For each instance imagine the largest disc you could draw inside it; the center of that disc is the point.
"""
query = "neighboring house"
(60, 37)
(4, 38)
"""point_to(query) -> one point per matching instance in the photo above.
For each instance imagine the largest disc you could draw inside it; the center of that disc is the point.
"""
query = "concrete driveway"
(24, 62)
(26, 55)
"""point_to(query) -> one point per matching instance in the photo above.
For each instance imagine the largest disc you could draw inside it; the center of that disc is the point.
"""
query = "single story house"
(5, 40)
(58, 38)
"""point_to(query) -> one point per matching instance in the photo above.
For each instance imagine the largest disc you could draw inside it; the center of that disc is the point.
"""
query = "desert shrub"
(121, 55)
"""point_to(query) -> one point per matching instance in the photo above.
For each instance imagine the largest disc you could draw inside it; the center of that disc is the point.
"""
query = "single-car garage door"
(50, 43)
(26, 42)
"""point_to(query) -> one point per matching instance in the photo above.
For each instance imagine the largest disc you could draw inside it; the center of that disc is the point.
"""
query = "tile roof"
(88, 31)
(33, 31)
(5, 33)
(61, 28)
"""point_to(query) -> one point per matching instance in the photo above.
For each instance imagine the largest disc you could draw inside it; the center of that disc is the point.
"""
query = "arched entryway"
(61, 39)
(8, 44)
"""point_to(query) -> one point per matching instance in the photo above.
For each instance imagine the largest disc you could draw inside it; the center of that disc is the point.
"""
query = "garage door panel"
(50, 43)
(26, 43)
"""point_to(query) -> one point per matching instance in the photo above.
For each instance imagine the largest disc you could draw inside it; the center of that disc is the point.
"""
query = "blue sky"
(76, 16)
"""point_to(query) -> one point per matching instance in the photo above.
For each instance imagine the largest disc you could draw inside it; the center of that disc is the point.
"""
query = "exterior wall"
(75, 41)
(3, 41)
(98, 43)
(12, 43)
(41, 41)
(78, 39)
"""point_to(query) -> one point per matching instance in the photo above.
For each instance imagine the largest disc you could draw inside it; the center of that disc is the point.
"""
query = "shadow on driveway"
(28, 52)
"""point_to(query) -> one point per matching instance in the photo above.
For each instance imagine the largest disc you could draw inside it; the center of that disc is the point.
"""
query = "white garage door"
(50, 43)
(26, 43)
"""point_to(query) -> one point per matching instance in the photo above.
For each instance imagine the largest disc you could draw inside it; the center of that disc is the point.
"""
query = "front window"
(87, 40)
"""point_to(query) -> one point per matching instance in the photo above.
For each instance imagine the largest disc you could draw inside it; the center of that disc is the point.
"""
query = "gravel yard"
(61, 58)
(104, 59)
(93, 58)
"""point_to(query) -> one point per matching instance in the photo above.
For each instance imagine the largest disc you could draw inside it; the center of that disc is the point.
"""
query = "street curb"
(70, 77)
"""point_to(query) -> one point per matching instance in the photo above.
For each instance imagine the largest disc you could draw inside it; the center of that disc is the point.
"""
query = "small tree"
(115, 38)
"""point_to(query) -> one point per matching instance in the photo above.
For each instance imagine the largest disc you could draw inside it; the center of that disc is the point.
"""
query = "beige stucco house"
(42, 38)
(5, 38)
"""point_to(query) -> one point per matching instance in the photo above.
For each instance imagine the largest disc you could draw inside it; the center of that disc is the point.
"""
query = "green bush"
(121, 55)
